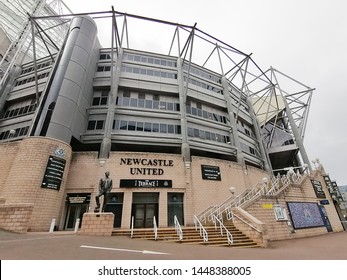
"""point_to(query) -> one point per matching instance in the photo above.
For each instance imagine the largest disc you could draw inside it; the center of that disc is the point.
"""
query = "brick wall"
(86, 171)
(24, 178)
(16, 217)
(263, 210)
(97, 224)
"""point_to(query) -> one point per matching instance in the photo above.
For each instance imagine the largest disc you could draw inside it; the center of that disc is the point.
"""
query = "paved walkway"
(68, 246)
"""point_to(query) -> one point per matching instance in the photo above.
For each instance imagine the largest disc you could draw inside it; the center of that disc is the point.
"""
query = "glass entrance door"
(143, 215)
(74, 212)
(175, 208)
(144, 209)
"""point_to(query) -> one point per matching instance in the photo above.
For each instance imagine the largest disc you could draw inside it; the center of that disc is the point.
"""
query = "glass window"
(155, 104)
(148, 104)
(91, 125)
(190, 132)
(133, 102)
(194, 111)
(219, 138)
(103, 101)
(131, 125)
(178, 129)
(141, 103)
(139, 126)
(155, 127)
(126, 101)
(207, 135)
(170, 106)
(163, 128)
(99, 124)
(199, 112)
(123, 125)
(177, 107)
(115, 124)
(196, 132)
(162, 105)
(170, 128)
(148, 127)
(96, 101)
(188, 109)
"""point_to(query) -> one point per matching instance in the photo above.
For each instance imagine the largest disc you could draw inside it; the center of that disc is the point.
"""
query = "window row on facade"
(39, 66)
(32, 79)
(130, 125)
(17, 133)
(201, 73)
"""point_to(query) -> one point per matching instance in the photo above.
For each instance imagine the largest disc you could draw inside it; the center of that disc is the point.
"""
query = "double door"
(144, 214)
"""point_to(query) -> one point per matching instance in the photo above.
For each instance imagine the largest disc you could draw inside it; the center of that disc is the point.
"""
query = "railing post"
(132, 227)
(77, 225)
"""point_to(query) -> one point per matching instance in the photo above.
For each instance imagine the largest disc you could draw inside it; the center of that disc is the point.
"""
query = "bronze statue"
(105, 187)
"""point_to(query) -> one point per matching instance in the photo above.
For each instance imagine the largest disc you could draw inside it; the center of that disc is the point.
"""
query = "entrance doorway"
(77, 204)
(175, 208)
(144, 209)
(74, 212)
(115, 205)
(326, 221)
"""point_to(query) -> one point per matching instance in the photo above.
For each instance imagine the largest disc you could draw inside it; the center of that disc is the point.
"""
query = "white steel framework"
(281, 104)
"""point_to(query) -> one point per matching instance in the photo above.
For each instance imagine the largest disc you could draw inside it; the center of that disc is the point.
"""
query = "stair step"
(192, 236)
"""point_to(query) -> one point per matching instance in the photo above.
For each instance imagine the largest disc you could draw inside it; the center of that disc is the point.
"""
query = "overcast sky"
(305, 39)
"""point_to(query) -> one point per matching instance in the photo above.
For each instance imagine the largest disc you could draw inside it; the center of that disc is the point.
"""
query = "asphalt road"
(69, 246)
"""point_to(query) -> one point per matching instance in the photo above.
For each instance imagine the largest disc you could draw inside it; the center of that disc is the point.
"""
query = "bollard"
(77, 225)
(52, 226)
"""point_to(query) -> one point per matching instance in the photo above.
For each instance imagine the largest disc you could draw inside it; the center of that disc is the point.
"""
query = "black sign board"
(318, 189)
(210, 172)
(333, 188)
(324, 202)
(145, 183)
(78, 198)
(54, 173)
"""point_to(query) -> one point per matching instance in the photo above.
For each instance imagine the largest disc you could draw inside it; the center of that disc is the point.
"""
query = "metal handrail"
(247, 223)
(269, 187)
(221, 227)
(132, 227)
(178, 228)
(155, 228)
(202, 230)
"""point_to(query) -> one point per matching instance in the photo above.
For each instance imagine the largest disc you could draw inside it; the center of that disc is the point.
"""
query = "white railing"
(247, 223)
(268, 187)
(221, 228)
(178, 228)
(202, 230)
(132, 227)
(155, 228)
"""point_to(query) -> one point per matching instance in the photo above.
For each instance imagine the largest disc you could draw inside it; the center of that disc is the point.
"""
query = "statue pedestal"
(97, 224)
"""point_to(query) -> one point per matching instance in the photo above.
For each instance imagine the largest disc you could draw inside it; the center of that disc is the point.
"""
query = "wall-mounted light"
(102, 161)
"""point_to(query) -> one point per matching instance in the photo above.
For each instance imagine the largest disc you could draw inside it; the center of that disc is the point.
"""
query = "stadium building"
(185, 140)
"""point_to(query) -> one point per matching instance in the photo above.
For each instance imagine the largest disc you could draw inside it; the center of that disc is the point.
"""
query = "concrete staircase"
(192, 236)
